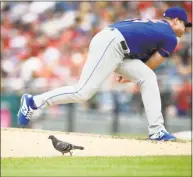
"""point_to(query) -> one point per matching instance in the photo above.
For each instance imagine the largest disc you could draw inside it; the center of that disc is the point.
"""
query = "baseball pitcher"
(132, 48)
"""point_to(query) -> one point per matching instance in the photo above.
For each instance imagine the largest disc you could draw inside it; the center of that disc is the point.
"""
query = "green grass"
(98, 166)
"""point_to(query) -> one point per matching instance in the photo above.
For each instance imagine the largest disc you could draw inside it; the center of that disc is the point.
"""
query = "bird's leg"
(70, 153)
(62, 153)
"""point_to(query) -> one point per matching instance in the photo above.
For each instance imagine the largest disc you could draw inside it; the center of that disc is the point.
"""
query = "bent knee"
(83, 97)
(149, 76)
(83, 94)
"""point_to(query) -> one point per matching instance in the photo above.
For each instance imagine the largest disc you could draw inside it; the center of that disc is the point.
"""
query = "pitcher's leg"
(103, 58)
(100, 64)
(141, 74)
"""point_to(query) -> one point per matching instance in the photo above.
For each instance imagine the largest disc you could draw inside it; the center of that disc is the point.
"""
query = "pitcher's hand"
(121, 79)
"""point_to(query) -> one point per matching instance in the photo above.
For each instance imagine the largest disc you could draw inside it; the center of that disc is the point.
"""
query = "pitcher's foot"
(162, 136)
(26, 110)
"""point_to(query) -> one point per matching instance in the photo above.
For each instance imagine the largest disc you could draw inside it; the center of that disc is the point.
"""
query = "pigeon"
(63, 147)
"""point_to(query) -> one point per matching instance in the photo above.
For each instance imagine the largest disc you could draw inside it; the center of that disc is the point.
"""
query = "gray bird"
(63, 147)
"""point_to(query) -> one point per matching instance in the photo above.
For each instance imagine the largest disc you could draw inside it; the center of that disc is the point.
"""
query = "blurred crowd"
(44, 45)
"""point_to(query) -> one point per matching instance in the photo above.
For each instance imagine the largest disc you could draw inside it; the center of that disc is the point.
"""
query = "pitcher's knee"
(153, 76)
(83, 96)
(149, 76)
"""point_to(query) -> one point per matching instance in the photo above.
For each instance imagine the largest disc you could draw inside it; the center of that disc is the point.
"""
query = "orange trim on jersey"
(165, 51)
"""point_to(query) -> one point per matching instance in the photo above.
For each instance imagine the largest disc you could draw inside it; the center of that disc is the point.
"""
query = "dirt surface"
(35, 143)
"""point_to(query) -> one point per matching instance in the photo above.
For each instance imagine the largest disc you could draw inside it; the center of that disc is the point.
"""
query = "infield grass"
(98, 166)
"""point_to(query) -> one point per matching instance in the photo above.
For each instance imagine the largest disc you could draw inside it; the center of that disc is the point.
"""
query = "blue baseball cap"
(178, 12)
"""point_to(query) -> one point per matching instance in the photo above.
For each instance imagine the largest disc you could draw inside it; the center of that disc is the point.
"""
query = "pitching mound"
(35, 143)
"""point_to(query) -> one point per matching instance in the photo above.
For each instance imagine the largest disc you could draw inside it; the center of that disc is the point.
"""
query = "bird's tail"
(78, 147)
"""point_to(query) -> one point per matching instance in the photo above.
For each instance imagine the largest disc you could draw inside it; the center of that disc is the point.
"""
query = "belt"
(127, 54)
(124, 46)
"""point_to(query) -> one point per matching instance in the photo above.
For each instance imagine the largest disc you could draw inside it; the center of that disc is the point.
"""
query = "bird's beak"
(48, 137)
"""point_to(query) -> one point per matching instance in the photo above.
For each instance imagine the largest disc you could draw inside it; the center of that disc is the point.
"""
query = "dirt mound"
(35, 143)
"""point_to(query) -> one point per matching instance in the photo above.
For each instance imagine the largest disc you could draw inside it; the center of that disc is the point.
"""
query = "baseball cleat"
(162, 136)
(26, 110)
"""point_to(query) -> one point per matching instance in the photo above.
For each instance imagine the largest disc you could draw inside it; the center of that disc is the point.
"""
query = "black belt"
(125, 48)
(127, 55)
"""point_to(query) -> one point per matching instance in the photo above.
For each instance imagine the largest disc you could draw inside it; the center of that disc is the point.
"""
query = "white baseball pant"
(105, 56)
